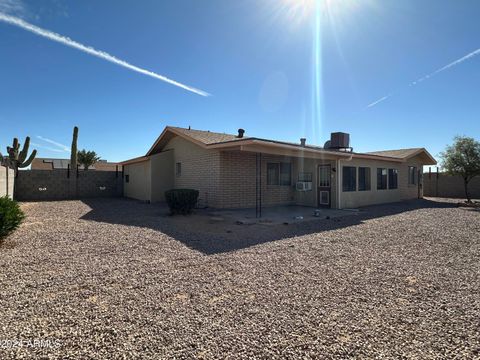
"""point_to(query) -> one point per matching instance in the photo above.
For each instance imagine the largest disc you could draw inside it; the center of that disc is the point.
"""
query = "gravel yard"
(114, 278)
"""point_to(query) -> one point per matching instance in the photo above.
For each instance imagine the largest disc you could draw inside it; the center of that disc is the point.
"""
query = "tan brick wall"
(238, 176)
(200, 170)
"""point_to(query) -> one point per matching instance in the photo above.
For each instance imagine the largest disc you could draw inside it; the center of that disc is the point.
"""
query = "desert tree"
(462, 158)
(87, 158)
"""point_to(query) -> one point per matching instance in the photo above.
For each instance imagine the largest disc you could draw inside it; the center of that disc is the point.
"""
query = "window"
(412, 171)
(279, 174)
(305, 176)
(392, 178)
(273, 174)
(178, 169)
(381, 179)
(285, 174)
(349, 178)
(364, 179)
(324, 176)
(127, 178)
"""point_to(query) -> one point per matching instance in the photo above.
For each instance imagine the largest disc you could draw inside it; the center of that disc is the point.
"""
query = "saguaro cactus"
(74, 151)
(18, 159)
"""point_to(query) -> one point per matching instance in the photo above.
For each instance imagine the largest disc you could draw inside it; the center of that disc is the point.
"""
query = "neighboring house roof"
(215, 140)
(51, 164)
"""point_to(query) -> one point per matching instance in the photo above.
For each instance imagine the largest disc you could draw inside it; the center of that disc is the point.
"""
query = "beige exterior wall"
(139, 185)
(6, 187)
(162, 174)
(227, 179)
(200, 170)
(310, 198)
(238, 181)
(353, 199)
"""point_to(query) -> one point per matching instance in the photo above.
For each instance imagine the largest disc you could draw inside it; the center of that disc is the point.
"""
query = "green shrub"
(181, 201)
(10, 216)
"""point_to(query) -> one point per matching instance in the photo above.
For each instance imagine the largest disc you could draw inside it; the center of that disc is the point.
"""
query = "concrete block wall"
(449, 186)
(55, 185)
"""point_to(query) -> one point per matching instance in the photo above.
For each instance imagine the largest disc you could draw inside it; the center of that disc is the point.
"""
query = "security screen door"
(324, 187)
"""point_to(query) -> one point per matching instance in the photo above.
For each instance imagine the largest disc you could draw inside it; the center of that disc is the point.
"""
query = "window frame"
(283, 181)
(276, 180)
(279, 168)
(127, 178)
(412, 175)
(351, 186)
(178, 169)
(392, 175)
(367, 177)
(381, 176)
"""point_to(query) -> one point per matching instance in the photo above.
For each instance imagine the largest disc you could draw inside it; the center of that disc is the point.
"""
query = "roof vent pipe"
(302, 141)
(240, 133)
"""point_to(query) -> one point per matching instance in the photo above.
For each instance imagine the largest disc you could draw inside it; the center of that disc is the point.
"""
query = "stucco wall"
(162, 170)
(200, 170)
(7, 178)
(139, 185)
(353, 199)
(310, 198)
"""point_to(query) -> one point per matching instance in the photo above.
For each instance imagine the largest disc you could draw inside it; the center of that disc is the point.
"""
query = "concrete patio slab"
(278, 215)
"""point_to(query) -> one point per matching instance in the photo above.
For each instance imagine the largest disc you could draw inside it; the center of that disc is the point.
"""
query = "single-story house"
(237, 171)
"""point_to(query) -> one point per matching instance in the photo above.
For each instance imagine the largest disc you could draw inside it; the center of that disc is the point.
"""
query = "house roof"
(215, 140)
(405, 154)
(400, 153)
(207, 137)
(53, 163)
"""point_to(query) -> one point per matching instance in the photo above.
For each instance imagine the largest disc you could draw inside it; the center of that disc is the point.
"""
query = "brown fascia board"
(270, 143)
(134, 160)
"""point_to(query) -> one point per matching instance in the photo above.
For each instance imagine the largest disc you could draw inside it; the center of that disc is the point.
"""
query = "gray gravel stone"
(116, 279)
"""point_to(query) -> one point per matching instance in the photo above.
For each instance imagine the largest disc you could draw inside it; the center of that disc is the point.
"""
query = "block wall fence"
(62, 185)
(447, 186)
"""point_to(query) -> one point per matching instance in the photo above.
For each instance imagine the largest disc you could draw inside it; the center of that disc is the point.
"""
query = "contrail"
(61, 146)
(12, 20)
(47, 148)
(378, 101)
(454, 63)
(426, 77)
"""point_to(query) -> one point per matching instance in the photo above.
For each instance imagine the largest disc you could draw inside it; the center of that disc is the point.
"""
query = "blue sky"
(280, 69)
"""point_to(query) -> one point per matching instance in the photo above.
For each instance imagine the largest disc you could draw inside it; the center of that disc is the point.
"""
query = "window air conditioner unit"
(303, 186)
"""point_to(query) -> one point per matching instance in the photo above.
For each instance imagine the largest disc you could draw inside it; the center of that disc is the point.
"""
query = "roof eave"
(134, 160)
